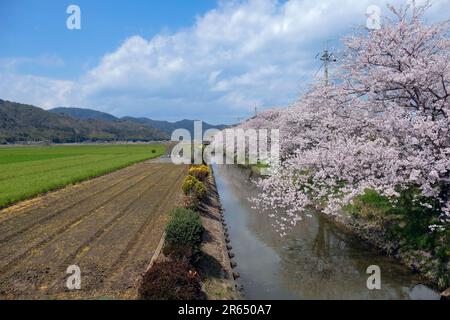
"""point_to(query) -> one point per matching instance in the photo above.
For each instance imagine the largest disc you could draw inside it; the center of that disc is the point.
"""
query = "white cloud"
(241, 54)
(39, 91)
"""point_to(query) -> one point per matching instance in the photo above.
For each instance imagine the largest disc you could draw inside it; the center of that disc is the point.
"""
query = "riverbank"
(419, 261)
(215, 265)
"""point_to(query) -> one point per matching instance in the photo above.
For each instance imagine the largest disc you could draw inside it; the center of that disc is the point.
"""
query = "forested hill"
(164, 126)
(25, 123)
(84, 114)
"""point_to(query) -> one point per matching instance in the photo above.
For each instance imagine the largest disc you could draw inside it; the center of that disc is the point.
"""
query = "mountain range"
(164, 126)
(21, 123)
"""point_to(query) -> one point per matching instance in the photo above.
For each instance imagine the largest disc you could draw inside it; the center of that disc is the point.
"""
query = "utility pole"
(326, 58)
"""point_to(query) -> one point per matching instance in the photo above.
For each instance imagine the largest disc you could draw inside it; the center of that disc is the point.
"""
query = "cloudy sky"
(197, 59)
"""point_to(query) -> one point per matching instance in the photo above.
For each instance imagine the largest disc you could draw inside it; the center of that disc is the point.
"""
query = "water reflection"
(316, 260)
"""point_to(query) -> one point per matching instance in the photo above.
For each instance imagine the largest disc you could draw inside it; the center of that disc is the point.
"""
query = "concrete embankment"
(216, 265)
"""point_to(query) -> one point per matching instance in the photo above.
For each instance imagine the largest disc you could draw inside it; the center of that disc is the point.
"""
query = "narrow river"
(317, 260)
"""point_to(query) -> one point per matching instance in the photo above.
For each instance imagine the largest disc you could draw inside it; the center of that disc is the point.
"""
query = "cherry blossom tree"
(382, 124)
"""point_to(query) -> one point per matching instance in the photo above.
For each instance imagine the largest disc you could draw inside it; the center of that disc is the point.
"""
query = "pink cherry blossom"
(382, 124)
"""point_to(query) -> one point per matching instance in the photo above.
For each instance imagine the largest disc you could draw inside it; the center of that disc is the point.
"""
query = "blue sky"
(31, 28)
(172, 59)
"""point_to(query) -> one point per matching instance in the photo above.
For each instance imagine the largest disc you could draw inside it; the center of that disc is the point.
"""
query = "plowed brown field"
(109, 227)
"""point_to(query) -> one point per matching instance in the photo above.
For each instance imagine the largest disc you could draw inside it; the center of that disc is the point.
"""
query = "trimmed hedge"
(183, 234)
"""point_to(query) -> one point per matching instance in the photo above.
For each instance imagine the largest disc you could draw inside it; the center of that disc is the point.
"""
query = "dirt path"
(109, 227)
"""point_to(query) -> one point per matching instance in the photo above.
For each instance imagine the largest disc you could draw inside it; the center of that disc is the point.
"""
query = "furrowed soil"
(109, 227)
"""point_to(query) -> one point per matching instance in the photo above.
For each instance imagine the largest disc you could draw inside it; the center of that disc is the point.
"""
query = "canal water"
(316, 260)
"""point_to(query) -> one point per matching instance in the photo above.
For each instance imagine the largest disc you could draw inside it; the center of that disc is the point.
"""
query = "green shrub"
(173, 280)
(407, 220)
(185, 229)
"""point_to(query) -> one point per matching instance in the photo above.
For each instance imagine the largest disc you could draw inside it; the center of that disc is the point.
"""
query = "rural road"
(109, 227)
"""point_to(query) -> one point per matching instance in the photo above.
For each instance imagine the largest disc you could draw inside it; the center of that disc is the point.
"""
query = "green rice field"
(28, 171)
